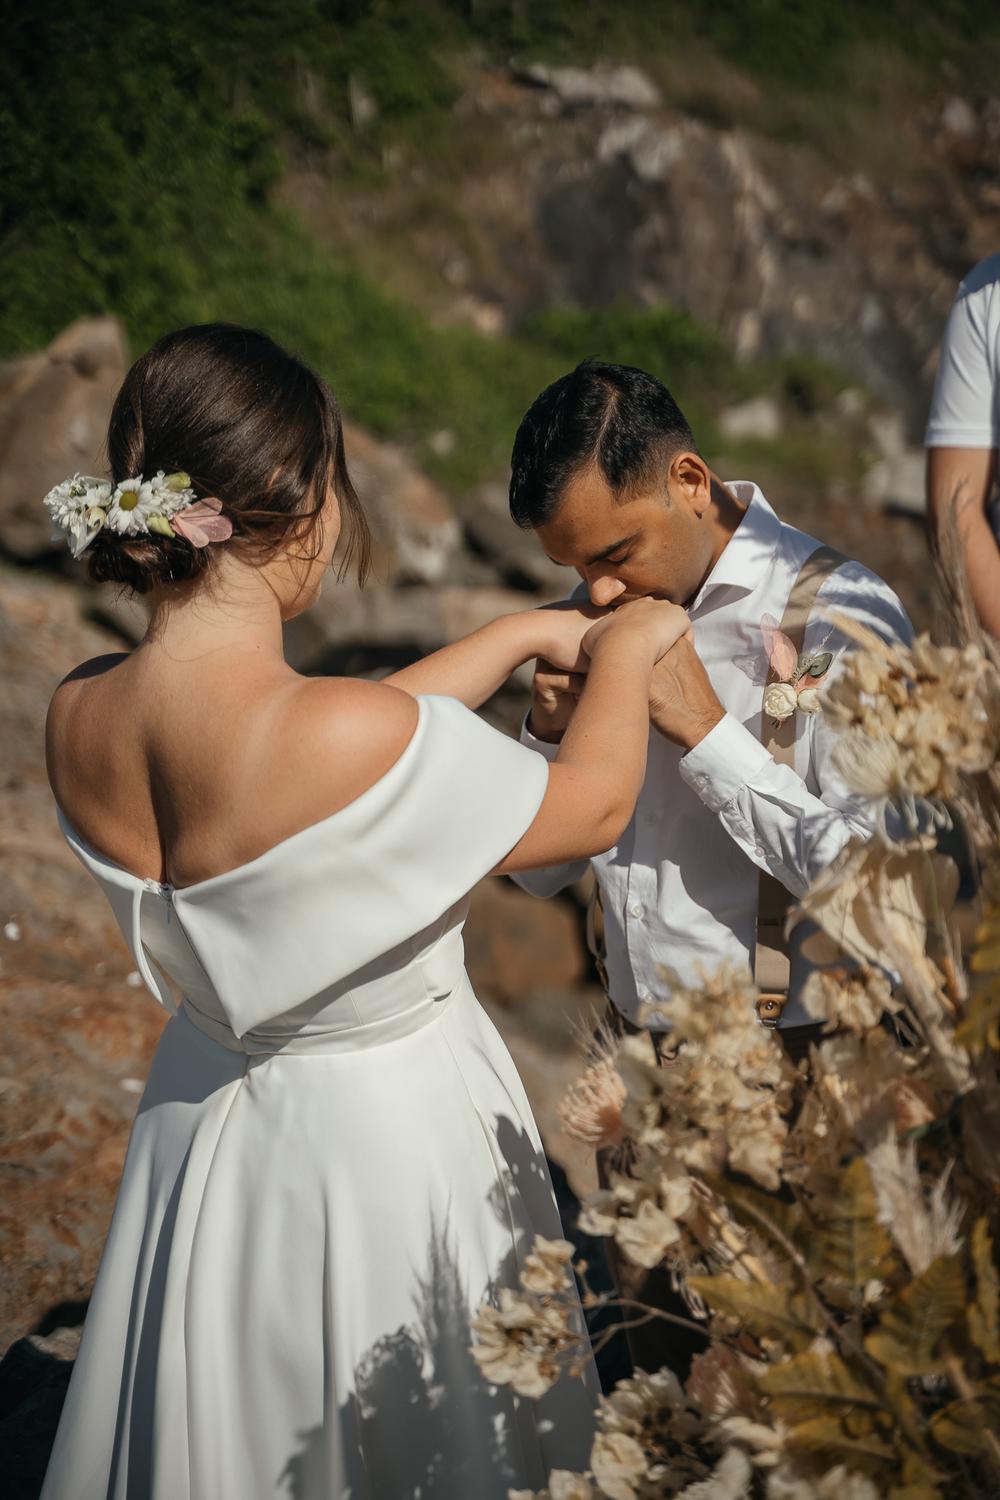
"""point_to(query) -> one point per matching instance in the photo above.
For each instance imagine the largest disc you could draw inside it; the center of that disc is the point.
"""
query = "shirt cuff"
(544, 747)
(723, 762)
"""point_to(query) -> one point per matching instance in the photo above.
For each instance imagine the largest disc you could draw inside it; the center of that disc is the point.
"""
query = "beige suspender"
(771, 960)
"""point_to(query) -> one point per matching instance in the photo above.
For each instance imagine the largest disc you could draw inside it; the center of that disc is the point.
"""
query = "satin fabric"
(332, 1164)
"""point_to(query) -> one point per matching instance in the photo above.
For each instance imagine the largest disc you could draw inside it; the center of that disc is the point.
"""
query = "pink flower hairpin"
(201, 522)
(798, 674)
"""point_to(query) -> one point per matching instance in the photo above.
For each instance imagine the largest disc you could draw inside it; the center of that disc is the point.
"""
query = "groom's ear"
(689, 477)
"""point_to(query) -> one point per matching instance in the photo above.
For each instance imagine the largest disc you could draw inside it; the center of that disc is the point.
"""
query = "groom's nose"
(604, 590)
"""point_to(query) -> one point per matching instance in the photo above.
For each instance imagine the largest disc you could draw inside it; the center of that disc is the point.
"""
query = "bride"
(334, 1161)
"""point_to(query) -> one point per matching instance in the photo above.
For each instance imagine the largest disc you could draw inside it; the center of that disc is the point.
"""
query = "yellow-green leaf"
(979, 1028)
(984, 1313)
(815, 1384)
(912, 1325)
(851, 1244)
(865, 1451)
(765, 1310)
(965, 1426)
(763, 1213)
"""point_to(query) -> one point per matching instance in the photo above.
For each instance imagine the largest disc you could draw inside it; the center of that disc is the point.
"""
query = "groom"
(738, 813)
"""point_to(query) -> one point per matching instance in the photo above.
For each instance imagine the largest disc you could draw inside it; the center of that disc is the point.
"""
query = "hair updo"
(249, 424)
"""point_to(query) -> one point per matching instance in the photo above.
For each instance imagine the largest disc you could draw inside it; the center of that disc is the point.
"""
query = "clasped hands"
(683, 705)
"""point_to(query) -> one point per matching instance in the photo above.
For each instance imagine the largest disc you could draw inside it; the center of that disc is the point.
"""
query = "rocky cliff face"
(766, 240)
(587, 188)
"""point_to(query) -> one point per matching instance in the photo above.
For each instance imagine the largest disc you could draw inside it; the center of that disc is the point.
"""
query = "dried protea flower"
(591, 1109)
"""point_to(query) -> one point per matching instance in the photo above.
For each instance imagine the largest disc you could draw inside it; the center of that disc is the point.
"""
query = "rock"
(418, 535)
(354, 630)
(759, 417)
(361, 104)
(516, 555)
(517, 945)
(603, 84)
(73, 1027)
(54, 411)
(897, 483)
(116, 609)
(769, 242)
(958, 118)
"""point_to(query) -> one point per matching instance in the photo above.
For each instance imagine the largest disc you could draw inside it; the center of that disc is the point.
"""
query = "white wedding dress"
(332, 1164)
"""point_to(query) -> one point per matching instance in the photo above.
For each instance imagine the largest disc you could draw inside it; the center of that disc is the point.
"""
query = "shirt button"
(759, 850)
(635, 910)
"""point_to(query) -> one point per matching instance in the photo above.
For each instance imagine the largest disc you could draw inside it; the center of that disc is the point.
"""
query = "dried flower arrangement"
(837, 1224)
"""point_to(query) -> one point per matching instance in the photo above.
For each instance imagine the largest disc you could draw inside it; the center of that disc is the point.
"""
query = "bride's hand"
(564, 627)
(654, 622)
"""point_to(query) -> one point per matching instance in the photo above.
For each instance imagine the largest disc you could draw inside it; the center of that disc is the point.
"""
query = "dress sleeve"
(353, 887)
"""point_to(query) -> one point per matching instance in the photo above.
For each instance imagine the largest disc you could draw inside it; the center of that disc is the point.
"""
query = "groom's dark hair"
(619, 418)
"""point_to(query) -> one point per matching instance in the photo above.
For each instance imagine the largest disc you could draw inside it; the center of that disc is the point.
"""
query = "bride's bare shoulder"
(350, 731)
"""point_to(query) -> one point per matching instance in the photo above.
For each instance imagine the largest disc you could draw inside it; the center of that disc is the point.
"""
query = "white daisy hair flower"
(165, 505)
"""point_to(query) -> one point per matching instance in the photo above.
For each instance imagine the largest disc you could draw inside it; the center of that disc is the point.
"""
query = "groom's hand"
(683, 704)
(554, 695)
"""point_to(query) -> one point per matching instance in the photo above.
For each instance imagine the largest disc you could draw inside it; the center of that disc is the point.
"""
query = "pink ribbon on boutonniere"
(201, 522)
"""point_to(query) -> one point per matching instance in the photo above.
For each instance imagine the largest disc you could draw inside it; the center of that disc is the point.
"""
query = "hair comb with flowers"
(165, 505)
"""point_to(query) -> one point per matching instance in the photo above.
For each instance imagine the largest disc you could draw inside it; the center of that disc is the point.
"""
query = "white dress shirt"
(680, 888)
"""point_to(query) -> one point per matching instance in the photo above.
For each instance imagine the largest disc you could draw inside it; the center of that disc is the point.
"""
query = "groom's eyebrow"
(626, 541)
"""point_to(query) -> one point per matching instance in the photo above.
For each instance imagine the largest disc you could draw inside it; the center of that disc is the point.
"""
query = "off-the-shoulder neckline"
(213, 880)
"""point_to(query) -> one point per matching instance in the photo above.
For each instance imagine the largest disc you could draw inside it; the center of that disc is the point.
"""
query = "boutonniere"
(797, 674)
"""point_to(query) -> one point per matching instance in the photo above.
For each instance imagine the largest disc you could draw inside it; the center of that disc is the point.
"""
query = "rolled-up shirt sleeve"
(551, 879)
(789, 826)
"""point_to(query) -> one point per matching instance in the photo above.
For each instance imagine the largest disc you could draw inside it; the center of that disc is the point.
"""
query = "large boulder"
(517, 946)
(78, 1032)
(54, 410)
(417, 535)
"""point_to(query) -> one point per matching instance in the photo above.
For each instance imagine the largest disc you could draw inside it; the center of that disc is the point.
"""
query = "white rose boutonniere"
(780, 701)
(799, 674)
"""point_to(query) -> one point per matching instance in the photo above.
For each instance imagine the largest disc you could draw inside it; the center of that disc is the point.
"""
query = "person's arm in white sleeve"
(768, 810)
(962, 434)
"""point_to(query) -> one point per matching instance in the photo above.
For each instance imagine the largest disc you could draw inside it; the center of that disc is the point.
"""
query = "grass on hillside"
(141, 146)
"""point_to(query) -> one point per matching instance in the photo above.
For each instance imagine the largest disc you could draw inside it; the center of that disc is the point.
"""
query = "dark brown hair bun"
(251, 425)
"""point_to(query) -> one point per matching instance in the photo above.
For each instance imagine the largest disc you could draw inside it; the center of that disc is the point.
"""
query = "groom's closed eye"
(618, 552)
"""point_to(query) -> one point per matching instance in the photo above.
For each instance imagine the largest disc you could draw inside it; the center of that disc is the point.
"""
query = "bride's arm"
(473, 668)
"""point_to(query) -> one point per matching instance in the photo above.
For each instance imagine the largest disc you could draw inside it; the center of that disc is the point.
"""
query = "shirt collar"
(749, 553)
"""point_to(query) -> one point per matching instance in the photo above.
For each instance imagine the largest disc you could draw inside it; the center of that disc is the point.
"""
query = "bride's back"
(201, 749)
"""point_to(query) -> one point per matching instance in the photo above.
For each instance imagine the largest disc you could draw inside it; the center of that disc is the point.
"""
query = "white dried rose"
(545, 1266)
(618, 1463)
(780, 700)
(809, 701)
(565, 1485)
(646, 1238)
